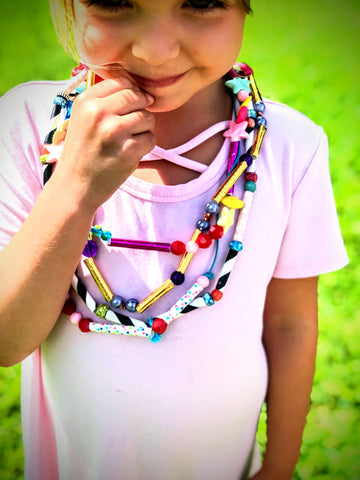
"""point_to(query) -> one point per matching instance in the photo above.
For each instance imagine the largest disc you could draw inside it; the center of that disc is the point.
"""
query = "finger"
(111, 85)
(116, 127)
(127, 101)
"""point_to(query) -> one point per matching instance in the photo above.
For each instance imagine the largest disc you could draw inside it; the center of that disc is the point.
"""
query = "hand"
(109, 131)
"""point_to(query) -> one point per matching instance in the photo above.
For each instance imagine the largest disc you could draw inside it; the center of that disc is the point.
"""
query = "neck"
(209, 106)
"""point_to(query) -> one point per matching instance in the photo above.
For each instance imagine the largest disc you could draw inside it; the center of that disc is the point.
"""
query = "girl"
(143, 159)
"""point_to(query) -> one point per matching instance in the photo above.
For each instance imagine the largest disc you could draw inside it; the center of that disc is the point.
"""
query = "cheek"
(97, 45)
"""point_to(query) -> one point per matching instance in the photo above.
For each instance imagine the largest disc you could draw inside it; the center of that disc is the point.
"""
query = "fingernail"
(150, 99)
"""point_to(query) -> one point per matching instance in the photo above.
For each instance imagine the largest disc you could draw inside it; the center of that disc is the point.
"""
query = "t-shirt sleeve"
(20, 168)
(312, 243)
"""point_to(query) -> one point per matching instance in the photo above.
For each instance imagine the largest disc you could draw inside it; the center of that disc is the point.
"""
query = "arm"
(290, 339)
(109, 132)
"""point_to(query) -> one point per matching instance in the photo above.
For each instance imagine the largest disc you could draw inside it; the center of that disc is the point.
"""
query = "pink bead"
(251, 122)
(243, 112)
(192, 247)
(203, 281)
(75, 318)
(243, 95)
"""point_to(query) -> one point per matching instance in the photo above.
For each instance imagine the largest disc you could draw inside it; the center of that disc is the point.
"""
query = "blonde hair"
(63, 17)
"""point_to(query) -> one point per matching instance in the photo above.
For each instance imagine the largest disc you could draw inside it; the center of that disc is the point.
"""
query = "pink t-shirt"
(102, 406)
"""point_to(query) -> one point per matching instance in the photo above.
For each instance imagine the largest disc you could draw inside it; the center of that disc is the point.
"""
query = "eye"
(203, 6)
(110, 5)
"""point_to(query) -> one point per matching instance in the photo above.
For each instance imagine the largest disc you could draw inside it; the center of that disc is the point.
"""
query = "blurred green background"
(305, 54)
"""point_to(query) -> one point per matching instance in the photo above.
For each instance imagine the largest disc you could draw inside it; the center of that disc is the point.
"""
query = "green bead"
(250, 186)
(101, 310)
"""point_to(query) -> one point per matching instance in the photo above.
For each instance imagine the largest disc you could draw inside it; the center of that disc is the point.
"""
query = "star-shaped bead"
(236, 84)
(227, 218)
(236, 131)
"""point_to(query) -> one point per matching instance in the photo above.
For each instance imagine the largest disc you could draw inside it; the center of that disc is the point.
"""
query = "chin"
(163, 105)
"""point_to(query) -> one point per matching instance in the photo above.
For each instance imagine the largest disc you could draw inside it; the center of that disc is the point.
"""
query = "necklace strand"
(248, 119)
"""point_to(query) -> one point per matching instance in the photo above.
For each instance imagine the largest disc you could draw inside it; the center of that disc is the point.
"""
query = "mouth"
(145, 82)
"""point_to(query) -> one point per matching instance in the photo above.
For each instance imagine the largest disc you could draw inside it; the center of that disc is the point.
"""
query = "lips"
(162, 82)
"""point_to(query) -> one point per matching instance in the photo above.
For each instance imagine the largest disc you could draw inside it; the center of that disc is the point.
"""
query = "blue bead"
(246, 158)
(208, 299)
(97, 231)
(237, 246)
(212, 207)
(131, 305)
(177, 278)
(259, 107)
(250, 186)
(115, 302)
(59, 100)
(106, 235)
(252, 113)
(202, 225)
(260, 121)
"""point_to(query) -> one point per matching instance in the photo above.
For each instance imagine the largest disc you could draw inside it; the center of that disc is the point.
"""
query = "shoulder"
(25, 109)
(290, 128)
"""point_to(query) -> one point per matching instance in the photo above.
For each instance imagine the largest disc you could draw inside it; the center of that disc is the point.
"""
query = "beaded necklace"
(249, 124)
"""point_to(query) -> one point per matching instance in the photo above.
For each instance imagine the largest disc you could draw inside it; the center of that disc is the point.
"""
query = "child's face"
(172, 49)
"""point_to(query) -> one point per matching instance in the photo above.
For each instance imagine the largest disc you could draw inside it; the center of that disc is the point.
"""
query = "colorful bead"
(236, 84)
(251, 177)
(101, 310)
(155, 295)
(255, 150)
(115, 302)
(212, 207)
(90, 249)
(192, 247)
(177, 277)
(96, 230)
(231, 201)
(259, 107)
(208, 299)
(159, 326)
(178, 248)
(106, 236)
(236, 131)
(251, 122)
(236, 245)
(131, 305)
(69, 307)
(75, 318)
(261, 121)
(84, 325)
(242, 115)
(204, 240)
(202, 225)
(242, 95)
(217, 295)
(216, 231)
(250, 186)
(203, 281)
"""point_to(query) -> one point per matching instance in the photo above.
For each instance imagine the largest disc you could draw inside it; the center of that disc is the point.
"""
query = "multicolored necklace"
(249, 125)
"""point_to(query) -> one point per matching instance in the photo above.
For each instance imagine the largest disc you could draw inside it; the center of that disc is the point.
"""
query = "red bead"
(178, 248)
(84, 325)
(44, 151)
(216, 295)
(204, 240)
(216, 231)
(69, 307)
(159, 325)
(251, 177)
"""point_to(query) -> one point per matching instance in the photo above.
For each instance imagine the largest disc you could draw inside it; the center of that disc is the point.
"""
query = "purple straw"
(120, 242)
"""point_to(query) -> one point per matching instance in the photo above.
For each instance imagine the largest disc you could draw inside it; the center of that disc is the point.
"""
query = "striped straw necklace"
(250, 125)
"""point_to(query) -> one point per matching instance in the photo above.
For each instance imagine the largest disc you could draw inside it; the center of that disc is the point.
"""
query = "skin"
(114, 124)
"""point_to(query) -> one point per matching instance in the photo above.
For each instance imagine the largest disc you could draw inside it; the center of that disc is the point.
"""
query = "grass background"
(305, 54)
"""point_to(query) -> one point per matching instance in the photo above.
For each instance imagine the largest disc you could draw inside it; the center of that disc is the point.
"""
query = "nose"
(156, 42)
